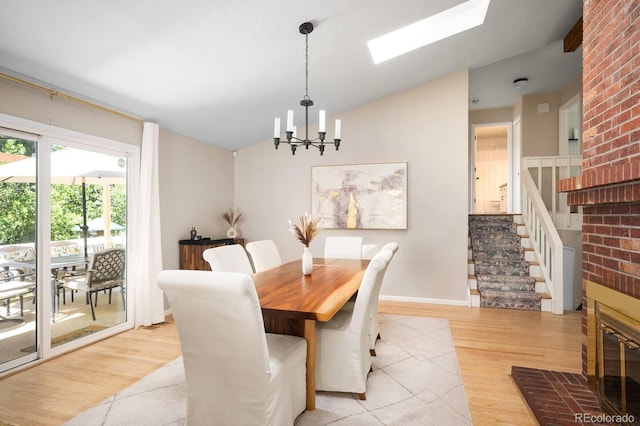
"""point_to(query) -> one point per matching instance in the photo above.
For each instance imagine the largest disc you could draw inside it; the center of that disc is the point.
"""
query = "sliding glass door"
(88, 223)
(64, 227)
(18, 267)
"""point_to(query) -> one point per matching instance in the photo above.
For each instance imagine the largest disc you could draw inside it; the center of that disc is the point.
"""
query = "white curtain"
(149, 299)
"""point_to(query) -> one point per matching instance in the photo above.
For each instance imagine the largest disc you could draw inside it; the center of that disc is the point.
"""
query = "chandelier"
(291, 137)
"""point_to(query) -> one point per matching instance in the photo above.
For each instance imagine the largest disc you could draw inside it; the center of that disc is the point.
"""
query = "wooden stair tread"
(495, 214)
(544, 295)
(474, 292)
(538, 279)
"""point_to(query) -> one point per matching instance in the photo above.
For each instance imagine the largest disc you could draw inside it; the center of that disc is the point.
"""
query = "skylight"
(452, 21)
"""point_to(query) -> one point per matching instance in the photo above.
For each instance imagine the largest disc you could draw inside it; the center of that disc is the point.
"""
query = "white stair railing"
(548, 170)
(544, 238)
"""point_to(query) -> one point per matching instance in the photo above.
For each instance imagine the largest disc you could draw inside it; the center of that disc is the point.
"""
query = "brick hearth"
(557, 398)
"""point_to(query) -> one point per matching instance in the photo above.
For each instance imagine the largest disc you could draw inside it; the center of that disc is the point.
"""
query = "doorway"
(491, 168)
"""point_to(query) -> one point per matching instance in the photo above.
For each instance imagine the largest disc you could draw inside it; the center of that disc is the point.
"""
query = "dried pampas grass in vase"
(304, 231)
(232, 217)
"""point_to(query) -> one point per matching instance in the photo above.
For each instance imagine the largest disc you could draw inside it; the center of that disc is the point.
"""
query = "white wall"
(540, 129)
(426, 127)
(196, 187)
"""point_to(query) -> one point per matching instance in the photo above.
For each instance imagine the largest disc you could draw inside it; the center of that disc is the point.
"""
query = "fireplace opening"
(618, 364)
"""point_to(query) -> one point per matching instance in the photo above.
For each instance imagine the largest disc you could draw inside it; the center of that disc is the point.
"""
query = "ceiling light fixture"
(291, 138)
(519, 83)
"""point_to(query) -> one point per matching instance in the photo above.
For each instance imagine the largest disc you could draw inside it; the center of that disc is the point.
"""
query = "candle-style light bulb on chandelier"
(290, 132)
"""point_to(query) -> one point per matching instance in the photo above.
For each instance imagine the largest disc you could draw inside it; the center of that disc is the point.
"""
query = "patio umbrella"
(98, 224)
(73, 166)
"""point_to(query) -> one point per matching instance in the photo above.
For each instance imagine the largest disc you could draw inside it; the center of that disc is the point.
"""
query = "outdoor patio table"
(57, 263)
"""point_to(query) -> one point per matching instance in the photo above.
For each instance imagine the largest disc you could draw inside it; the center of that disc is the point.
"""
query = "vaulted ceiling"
(221, 71)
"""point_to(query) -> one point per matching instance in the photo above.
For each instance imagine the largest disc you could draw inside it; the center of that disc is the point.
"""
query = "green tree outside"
(18, 203)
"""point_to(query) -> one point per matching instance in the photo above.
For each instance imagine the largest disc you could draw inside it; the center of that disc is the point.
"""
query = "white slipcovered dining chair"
(342, 247)
(264, 254)
(236, 374)
(369, 250)
(342, 344)
(374, 333)
(374, 325)
(228, 258)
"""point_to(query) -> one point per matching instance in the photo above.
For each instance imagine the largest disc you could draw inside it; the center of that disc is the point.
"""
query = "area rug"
(68, 337)
(415, 381)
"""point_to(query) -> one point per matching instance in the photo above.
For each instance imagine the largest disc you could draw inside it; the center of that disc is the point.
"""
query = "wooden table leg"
(310, 337)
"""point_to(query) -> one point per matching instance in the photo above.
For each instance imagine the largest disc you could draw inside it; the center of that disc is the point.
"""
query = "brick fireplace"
(609, 187)
(617, 380)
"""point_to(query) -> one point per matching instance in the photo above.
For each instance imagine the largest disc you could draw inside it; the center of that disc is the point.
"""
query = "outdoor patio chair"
(15, 283)
(64, 248)
(106, 271)
(58, 250)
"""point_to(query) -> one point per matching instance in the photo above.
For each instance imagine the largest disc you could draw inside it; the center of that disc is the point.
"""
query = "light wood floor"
(488, 342)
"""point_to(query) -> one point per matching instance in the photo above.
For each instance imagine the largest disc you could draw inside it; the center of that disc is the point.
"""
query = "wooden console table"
(191, 251)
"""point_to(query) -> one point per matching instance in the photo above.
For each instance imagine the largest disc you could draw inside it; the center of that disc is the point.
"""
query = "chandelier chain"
(306, 66)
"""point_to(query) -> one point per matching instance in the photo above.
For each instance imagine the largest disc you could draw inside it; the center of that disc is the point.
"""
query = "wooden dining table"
(292, 303)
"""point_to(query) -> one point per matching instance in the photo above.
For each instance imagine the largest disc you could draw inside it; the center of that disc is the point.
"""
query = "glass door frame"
(47, 136)
(32, 356)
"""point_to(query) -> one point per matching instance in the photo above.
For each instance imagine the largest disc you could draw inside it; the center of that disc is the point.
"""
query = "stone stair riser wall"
(500, 264)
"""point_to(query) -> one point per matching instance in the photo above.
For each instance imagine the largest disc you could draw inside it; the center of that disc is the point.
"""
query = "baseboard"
(425, 300)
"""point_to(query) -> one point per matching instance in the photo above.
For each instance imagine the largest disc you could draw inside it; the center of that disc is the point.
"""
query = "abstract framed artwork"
(360, 196)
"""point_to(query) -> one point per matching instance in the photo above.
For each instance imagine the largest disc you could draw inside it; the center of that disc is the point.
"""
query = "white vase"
(232, 233)
(307, 261)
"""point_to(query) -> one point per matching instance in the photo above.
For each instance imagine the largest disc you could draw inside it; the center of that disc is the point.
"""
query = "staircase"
(502, 269)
